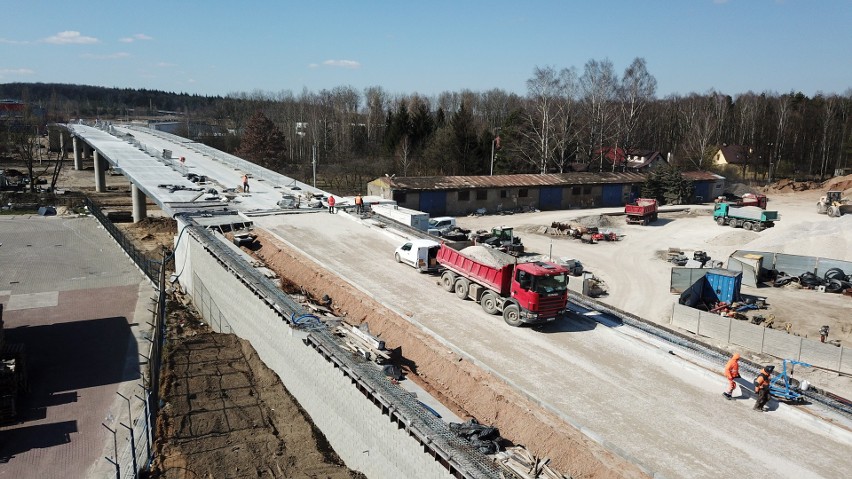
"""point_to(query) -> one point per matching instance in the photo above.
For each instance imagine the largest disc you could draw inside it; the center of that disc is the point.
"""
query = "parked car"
(419, 253)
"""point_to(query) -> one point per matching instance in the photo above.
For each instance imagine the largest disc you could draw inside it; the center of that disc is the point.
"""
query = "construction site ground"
(596, 399)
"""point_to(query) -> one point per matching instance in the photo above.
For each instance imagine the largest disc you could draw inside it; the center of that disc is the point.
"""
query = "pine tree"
(263, 143)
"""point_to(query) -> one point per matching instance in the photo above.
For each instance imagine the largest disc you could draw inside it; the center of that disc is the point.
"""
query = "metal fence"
(149, 267)
(760, 339)
(130, 427)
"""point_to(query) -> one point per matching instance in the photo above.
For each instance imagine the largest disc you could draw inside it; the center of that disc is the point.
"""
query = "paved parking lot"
(79, 306)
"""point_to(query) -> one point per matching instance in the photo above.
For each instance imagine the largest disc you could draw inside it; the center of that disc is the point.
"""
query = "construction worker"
(359, 204)
(761, 387)
(245, 184)
(732, 372)
(331, 204)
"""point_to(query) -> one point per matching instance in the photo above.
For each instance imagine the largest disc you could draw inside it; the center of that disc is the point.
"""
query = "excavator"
(833, 204)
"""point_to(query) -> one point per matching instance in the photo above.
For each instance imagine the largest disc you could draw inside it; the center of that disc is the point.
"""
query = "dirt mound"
(842, 183)
(600, 221)
(788, 185)
(733, 238)
(460, 385)
(739, 189)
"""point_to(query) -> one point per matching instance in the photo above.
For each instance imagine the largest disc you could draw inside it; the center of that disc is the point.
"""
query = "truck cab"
(540, 290)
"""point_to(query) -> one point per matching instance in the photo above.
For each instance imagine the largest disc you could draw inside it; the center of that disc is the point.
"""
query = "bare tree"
(702, 117)
(636, 90)
(598, 87)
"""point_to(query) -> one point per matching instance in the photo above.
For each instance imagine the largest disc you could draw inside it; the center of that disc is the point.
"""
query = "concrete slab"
(33, 300)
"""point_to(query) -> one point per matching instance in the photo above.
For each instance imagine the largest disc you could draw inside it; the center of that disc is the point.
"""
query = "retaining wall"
(761, 339)
(363, 433)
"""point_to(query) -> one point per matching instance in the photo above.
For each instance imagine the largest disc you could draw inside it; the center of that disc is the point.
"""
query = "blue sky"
(216, 47)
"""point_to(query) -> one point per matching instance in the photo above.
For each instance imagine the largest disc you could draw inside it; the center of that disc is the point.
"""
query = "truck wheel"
(833, 211)
(512, 315)
(734, 223)
(488, 302)
(644, 221)
(720, 221)
(462, 287)
(448, 281)
(396, 257)
(757, 228)
(748, 225)
(821, 209)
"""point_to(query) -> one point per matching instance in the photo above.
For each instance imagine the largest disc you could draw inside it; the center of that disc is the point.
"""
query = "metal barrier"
(133, 436)
(149, 267)
(764, 340)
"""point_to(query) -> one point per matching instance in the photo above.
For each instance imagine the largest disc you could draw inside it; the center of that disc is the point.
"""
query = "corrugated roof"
(701, 176)
(509, 181)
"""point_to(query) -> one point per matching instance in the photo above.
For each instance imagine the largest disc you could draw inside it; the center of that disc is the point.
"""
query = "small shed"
(722, 285)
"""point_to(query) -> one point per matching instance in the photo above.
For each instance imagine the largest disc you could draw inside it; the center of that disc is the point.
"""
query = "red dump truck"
(642, 211)
(748, 199)
(533, 292)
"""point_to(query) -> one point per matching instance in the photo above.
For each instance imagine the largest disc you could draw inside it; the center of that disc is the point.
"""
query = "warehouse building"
(463, 195)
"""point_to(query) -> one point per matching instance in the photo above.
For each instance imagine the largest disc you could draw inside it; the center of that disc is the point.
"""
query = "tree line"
(568, 119)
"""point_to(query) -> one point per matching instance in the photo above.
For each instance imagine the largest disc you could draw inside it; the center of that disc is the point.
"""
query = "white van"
(419, 253)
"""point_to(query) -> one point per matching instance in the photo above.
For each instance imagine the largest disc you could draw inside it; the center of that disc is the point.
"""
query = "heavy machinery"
(746, 217)
(534, 292)
(642, 211)
(500, 237)
(834, 205)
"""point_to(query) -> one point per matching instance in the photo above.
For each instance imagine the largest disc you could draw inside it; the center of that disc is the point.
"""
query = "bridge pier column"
(78, 160)
(61, 144)
(140, 209)
(100, 172)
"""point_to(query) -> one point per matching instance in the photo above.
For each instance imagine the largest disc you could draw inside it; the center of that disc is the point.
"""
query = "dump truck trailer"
(746, 217)
(642, 211)
(533, 292)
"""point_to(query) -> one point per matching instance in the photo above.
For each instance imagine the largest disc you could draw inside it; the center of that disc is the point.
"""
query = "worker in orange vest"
(761, 387)
(732, 372)
(359, 204)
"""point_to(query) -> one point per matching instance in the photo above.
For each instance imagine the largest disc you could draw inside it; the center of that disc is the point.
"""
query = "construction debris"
(519, 461)
(485, 438)
(361, 342)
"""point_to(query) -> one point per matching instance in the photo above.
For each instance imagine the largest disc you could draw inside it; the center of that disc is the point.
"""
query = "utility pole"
(314, 151)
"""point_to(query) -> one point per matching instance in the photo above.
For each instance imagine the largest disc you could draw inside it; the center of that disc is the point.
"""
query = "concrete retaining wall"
(760, 339)
(361, 432)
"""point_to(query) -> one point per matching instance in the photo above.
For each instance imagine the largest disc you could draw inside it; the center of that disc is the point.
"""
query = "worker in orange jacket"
(732, 372)
(761, 387)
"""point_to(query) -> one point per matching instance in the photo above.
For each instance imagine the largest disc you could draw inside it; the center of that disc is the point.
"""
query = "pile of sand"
(739, 189)
(600, 221)
(843, 183)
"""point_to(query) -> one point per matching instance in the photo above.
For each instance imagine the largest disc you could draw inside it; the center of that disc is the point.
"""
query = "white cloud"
(138, 36)
(165, 65)
(12, 42)
(342, 64)
(313, 65)
(108, 56)
(70, 37)
(15, 71)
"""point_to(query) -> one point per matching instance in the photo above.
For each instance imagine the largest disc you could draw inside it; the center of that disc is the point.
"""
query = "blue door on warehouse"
(550, 198)
(702, 191)
(612, 195)
(433, 202)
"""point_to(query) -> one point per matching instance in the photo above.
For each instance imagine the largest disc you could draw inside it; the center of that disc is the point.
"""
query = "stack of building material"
(363, 343)
(522, 463)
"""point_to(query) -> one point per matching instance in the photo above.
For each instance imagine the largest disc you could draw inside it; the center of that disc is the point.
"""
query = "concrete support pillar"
(61, 144)
(140, 209)
(100, 172)
(78, 160)
(87, 151)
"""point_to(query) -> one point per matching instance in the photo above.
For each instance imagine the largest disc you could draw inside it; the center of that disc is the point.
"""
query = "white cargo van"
(419, 253)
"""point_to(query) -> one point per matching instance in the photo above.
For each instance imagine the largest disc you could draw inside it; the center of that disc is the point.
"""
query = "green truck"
(747, 217)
